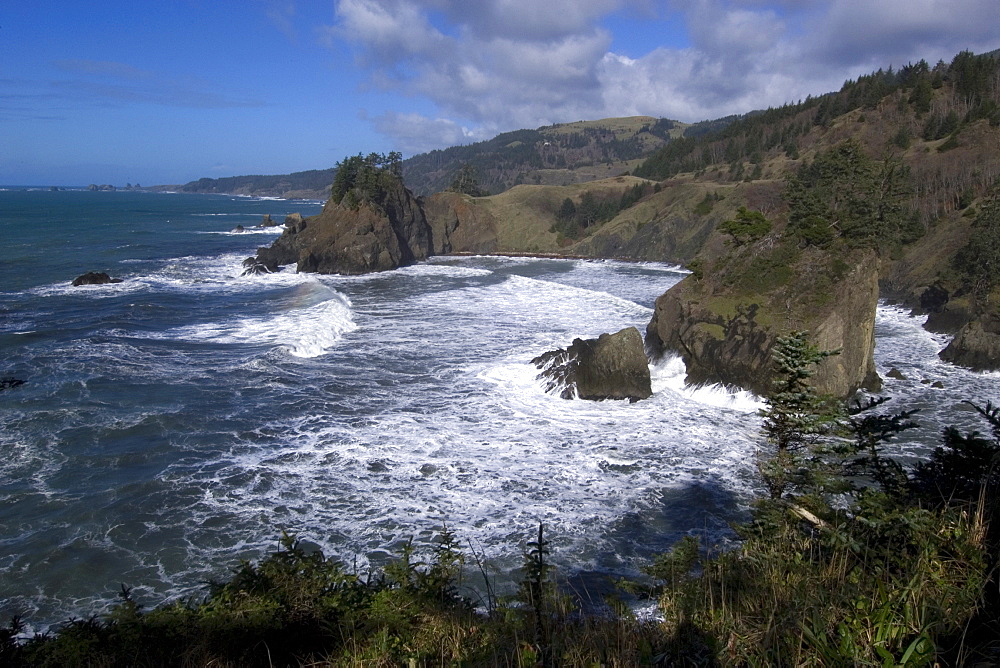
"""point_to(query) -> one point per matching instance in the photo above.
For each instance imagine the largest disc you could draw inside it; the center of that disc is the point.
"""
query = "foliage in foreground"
(852, 560)
(299, 607)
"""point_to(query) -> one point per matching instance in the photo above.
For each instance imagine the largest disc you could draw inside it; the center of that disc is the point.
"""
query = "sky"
(170, 91)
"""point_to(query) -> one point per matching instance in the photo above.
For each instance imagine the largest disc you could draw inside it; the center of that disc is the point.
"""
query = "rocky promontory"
(754, 284)
(976, 345)
(375, 224)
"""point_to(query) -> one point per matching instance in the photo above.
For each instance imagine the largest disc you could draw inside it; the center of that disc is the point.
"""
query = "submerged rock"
(95, 278)
(613, 366)
(10, 383)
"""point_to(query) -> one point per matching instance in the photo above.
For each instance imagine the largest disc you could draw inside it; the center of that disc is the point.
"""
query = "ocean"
(179, 421)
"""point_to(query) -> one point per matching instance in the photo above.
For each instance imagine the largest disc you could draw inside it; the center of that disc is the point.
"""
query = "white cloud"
(860, 32)
(389, 30)
(528, 20)
(416, 133)
(496, 65)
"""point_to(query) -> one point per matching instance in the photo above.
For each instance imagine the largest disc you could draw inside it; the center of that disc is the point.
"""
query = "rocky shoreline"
(723, 329)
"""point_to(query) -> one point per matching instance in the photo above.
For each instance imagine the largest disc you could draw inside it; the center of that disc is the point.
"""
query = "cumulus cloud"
(497, 65)
(856, 32)
(416, 133)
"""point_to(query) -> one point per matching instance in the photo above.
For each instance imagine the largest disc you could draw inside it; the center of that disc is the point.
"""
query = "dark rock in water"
(613, 366)
(896, 373)
(254, 266)
(10, 383)
(239, 228)
(94, 278)
(976, 346)
(267, 221)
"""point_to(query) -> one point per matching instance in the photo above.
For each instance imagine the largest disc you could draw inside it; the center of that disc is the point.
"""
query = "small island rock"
(95, 278)
(613, 366)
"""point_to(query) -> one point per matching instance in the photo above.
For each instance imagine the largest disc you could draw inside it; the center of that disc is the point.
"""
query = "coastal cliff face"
(976, 345)
(724, 323)
(384, 233)
(459, 224)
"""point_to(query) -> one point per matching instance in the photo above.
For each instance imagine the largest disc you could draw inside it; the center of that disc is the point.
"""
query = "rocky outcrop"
(725, 332)
(95, 278)
(377, 235)
(977, 345)
(252, 266)
(267, 221)
(612, 366)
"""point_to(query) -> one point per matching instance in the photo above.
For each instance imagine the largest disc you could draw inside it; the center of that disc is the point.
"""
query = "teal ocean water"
(176, 422)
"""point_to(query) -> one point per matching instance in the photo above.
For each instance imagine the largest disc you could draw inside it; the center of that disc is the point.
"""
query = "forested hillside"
(312, 184)
(553, 155)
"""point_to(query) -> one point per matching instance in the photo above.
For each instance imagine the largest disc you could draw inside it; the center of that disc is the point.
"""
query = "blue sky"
(174, 90)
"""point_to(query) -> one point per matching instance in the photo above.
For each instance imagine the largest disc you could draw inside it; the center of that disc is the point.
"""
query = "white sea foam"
(308, 330)
(470, 437)
(192, 438)
(440, 269)
(669, 374)
(269, 231)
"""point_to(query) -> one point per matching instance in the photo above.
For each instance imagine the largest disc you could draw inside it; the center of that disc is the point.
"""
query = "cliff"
(724, 319)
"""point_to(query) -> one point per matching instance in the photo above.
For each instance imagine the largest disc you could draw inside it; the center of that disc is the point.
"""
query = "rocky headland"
(366, 229)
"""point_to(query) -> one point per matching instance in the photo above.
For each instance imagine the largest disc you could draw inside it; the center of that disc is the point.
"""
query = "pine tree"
(796, 416)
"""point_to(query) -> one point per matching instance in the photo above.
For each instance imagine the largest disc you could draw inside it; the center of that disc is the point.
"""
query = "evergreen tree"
(978, 263)
(467, 182)
(844, 193)
(747, 226)
(361, 179)
(567, 211)
(796, 416)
